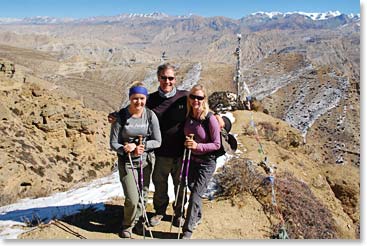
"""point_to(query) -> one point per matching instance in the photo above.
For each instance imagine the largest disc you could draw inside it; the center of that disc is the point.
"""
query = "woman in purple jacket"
(203, 163)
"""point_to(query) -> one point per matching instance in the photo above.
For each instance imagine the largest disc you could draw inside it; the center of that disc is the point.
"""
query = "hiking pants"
(199, 177)
(162, 168)
(132, 206)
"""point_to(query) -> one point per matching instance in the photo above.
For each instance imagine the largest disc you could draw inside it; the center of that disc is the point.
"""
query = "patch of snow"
(191, 78)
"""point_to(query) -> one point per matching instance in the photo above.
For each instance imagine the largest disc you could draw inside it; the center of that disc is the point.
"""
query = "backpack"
(228, 143)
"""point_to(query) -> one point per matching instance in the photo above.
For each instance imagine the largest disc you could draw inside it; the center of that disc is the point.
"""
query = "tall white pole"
(238, 67)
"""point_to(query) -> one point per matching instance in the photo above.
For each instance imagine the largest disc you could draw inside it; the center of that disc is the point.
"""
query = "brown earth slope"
(244, 214)
(48, 142)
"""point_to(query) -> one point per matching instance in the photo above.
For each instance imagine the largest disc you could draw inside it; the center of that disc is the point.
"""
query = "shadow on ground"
(110, 220)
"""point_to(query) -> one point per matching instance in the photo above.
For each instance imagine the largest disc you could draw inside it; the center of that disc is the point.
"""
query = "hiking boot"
(156, 220)
(139, 228)
(197, 224)
(186, 235)
(178, 221)
(125, 233)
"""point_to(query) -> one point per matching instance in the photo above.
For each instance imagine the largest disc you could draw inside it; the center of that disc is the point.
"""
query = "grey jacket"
(126, 129)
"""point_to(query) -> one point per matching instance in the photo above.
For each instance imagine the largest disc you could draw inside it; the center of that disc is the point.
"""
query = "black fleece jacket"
(171, 113)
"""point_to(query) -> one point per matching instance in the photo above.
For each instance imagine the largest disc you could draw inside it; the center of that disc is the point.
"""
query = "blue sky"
(229, 8)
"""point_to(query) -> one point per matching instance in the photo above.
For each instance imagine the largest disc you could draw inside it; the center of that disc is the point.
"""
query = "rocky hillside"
(320, 101)
(296, 164)
(315, 201)
(48, 142)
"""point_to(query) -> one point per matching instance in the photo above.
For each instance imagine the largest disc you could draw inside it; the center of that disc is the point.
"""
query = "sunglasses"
(193, 97)
(169, 78)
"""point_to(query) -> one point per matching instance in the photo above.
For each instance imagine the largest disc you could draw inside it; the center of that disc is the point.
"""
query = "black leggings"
(198, 180)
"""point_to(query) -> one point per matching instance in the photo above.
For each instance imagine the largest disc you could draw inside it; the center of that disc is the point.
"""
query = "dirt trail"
(221, 220)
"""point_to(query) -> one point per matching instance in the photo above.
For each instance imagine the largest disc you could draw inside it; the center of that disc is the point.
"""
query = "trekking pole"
(178, 188)
(191, 137)
(145, 216)
(141, 175)
(140, 195)
(141, 164)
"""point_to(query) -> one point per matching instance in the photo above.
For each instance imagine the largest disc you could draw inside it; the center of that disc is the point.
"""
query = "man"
(169, 105)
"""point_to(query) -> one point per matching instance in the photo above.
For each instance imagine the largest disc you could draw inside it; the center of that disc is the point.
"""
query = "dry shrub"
(267, 130)
(264, 129)
(271, 132)
(67, 177)
(234, 180)
(304, 216)
(33, 221)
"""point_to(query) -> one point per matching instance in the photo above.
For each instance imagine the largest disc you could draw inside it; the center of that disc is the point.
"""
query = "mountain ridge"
(315, 16)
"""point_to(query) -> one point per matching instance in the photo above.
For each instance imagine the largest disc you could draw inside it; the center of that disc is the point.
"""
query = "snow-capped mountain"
(36, 20)
(318, 16)
(291, 20)
(46, 20)
(313, 16)
(9, 20)
(259, 16)
(122, 17)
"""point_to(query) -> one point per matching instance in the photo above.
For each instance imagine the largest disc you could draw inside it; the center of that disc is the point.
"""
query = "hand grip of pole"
(140, 139)
(191, 137)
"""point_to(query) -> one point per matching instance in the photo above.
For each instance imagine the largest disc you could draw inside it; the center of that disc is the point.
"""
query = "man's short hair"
(164, 67)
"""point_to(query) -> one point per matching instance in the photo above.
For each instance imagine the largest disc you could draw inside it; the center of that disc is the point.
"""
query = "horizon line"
(169, 15)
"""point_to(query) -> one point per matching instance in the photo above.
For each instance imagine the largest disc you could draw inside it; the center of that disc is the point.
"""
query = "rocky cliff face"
(320, 101)
(48, 142)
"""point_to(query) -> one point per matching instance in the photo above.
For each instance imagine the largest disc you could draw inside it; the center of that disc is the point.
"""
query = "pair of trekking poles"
(191, 137)
(140, 191)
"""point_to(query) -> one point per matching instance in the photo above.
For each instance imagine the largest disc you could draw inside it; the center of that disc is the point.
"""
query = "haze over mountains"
(304, 68)
(159, 15)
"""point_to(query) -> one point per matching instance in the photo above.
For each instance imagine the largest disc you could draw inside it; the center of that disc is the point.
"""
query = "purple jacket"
(206, 143)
